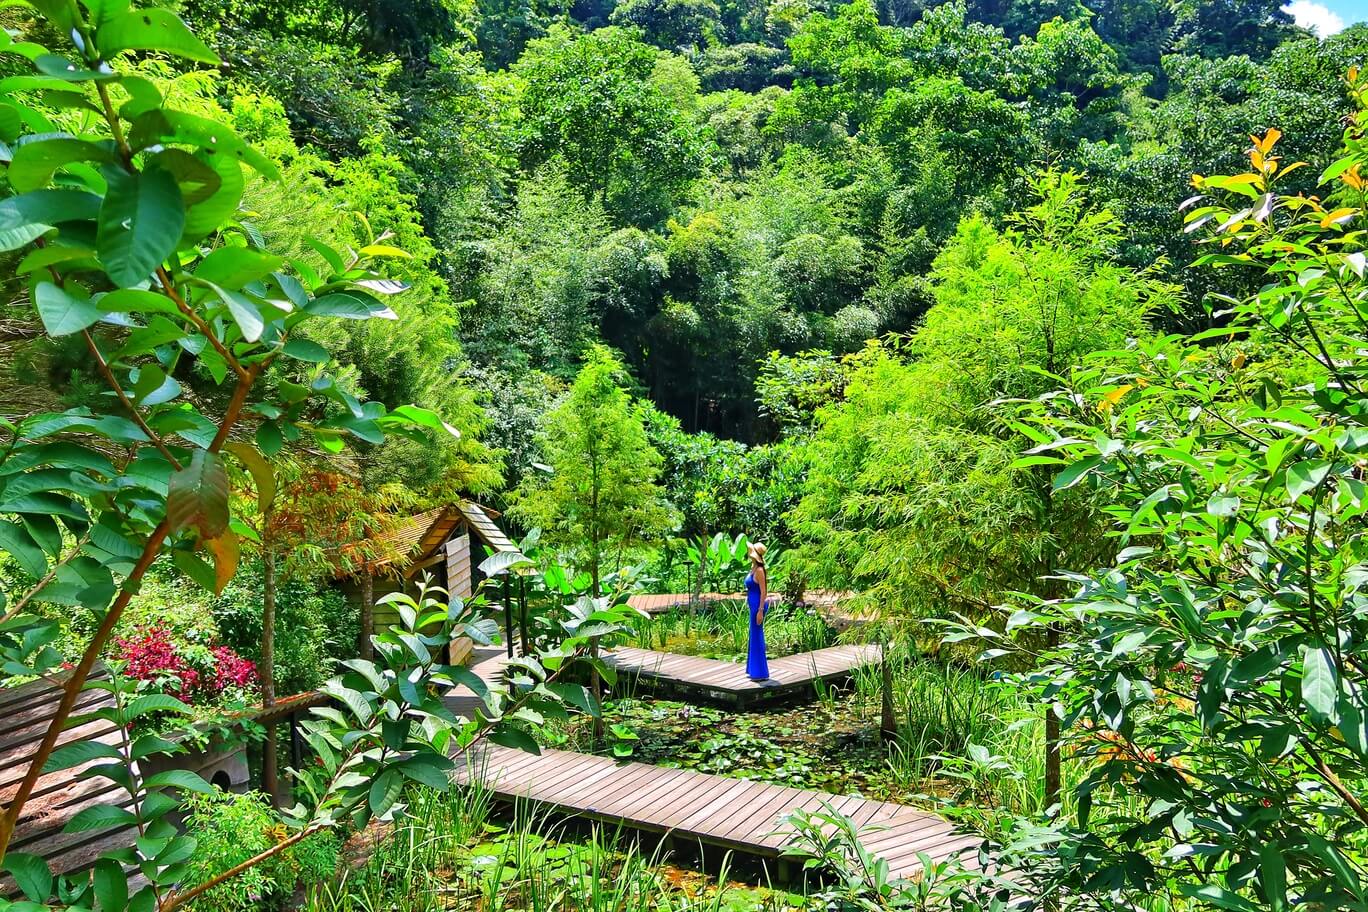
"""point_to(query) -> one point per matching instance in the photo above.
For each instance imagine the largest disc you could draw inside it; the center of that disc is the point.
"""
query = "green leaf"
(16, 541)
(262, 474)
(180, 779)
(198, 496)
(151, 30)
(1320, 685)
(508, 736)
(99, 817)
(63, 314)
(205, 215)
(1219, 897)
(1305, 475)
(31, 215)
(245, 312)
(1273, 876)
(80, 753)
(305, 350)
(140, 223)
(384, 791)
(234, 267)
(111, 886)
(349, 305)
(31, 874)
(428, 770)
(155, 702)
(162, 126)
(1076, 472)
(34, 163)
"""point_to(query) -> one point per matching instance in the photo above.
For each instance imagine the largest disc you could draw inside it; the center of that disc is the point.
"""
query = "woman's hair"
(756, 552)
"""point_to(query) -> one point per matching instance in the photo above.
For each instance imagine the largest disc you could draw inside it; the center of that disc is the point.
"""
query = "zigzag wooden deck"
(736, 814)
(726, 683)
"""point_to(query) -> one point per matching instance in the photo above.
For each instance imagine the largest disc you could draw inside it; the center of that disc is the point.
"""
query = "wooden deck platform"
(726, 683)
(740, 815)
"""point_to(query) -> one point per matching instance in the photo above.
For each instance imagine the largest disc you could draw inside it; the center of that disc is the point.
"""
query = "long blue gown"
(757, 666)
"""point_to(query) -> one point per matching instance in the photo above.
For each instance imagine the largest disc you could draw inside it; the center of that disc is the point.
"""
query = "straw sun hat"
(756, 552)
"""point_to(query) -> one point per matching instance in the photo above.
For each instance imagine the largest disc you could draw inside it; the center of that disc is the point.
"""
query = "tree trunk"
(888, 722)
(363, 644)
(270, 780)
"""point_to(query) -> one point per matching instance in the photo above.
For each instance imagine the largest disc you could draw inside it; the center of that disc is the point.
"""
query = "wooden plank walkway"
(740, 815)
(718, 681)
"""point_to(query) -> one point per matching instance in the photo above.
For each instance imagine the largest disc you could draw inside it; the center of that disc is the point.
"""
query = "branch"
(113, 382)
(205, 329)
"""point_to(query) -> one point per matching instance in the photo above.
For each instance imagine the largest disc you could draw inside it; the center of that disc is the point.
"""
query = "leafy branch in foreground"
(125, 211)
(1215, 690)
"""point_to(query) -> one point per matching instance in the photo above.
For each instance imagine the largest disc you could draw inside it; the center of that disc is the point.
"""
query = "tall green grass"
(961, 730)
(448, 853)
(722, 630)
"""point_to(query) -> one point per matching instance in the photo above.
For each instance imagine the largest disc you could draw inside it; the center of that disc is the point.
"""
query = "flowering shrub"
(193, 674)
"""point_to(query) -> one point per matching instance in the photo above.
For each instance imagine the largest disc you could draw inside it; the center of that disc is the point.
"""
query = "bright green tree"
(590, 100)
(601, 495)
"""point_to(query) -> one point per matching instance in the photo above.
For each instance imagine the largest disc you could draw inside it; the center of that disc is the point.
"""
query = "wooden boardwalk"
(717, 681)
(736, 814)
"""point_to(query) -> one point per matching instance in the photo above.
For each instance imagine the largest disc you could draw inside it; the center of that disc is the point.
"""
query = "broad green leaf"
(234, 267)
(151, 30)
(306, 350)
(1305, 475)
(99, 817)
(140, 223)
(179, 779)
(31, 874)
(63, 313)
(16, 541)
(1320, 685)
(349, 305)
(162, 126)
(155, 702)
(111, 886)
(1076, 472)
(385, 791)
(263, 476)
(508, 736)
(80, 753)
(198, 496)
(35, 162)
(33, 214)
(206, 215)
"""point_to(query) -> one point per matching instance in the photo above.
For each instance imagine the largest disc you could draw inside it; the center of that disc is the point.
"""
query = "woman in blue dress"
(757, 595)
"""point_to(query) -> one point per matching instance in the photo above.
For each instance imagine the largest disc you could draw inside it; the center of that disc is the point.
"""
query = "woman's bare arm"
(762, 578)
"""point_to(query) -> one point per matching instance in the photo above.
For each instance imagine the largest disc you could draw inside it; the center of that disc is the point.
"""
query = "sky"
(1325, 17)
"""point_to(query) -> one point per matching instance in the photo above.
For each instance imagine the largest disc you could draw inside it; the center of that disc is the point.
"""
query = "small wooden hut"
(445, 545)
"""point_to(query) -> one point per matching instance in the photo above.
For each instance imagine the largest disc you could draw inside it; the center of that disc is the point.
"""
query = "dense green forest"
(1028, 335)
(699, 184)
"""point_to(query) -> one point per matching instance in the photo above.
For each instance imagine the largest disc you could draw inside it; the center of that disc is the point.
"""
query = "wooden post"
(508, 616)
(296, 742)
(523, 633)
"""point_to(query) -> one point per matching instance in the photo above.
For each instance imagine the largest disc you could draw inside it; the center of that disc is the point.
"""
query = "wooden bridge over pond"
(739, 815)
(726, 683)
